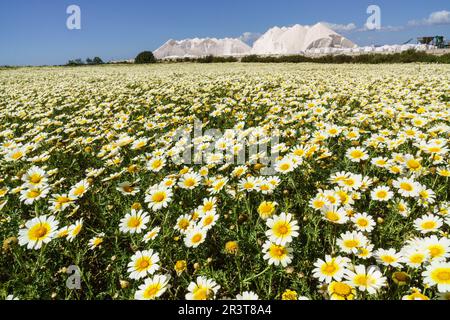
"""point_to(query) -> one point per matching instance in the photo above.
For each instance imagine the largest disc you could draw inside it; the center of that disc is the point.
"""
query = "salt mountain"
(202, 47)
(298, 39)
(286, 40)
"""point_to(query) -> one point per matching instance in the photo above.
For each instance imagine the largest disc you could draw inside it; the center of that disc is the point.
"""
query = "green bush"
(445, 58)
(76, 62)
(145, 57)
(97, 60)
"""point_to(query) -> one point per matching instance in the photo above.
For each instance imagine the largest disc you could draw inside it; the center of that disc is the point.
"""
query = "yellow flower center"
(201, 294)
(363, 252)
(349, 182)
(34, 193)
(281, 229)
(265, 208)
(62, 200)
(208, 206)
(231, 246)
(413, 164)
(159, 197)
(35, 178)
(63, 233)
(152, 291)
(356, 154)
(208, 220)
(140, 144)
(382, 194)
(197, 238)
(183, 224)
(143, 263)
(17, 155)
(180, 265)
(342, 289)
(289, 295)
(406, 186)
(39, 231)
(441, 275)
(277, 251)
(424, 194)
(428, 225)
(418, 296)
(156, 164)
(189, 182)
(79, 191)
(363, 280)
(76, 230)
(417, 258)
(319, 203)
(134, 222)
(436, 250)
(128, 189)
(219, 185)
(332, 199)
(352, 243)
(136, 206)
(363, 222)
(97, 241)
(248, 185)
(388, 259)
(168, 183)
(332, 216)
(329, 268)
(434, 149)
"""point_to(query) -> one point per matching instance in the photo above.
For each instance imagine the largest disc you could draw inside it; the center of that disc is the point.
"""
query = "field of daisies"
(97, 203)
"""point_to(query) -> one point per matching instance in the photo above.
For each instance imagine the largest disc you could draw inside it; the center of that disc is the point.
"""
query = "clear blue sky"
(34, 32)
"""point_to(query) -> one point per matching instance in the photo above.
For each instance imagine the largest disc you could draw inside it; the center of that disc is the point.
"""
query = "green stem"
(257, 275)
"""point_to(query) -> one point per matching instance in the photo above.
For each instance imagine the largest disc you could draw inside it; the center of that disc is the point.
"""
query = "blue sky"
(34, 32)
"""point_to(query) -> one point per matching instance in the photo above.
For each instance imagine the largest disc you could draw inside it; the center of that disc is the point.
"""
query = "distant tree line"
(89, 61)
(408, 56)
(206, 59)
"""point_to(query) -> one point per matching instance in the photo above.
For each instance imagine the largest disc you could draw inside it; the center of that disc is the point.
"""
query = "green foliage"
(145, 57)
(214, 59)
(89, 61)
(206, 59)
(97, 60)
(75, 63)
(409, 56)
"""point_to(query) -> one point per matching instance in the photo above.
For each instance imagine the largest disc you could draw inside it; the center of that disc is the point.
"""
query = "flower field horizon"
(98, 199)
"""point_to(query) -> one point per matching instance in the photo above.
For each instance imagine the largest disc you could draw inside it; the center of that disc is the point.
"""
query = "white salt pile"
(298, 39)
(202, 47)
